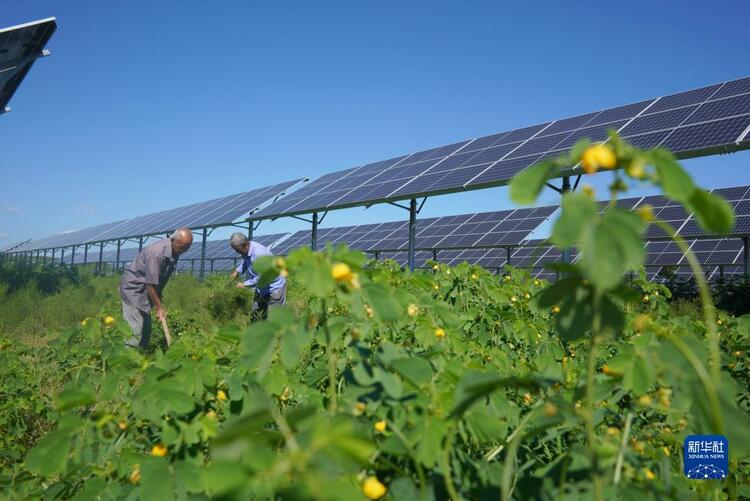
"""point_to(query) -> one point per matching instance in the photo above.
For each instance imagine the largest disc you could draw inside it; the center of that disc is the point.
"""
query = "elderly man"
(143, 281)
(269, 296)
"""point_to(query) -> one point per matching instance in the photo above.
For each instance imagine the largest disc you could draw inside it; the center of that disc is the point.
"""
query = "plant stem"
(446, 466)
(709, 312)
(623, 445)
(332, 405)
(596, 326)
(413, 456)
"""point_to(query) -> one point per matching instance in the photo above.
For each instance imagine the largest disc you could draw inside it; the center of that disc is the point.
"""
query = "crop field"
(451, 383)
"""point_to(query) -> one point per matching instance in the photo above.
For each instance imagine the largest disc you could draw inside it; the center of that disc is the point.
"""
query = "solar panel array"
(686, 224)
(715, 256)
(710, 119)
(20, 46)
(480, 230)
(223, 255)
(215, 212)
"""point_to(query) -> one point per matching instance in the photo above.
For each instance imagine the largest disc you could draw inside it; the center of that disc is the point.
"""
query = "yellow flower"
(84, 322)
(526, 295)
(380, 426)
(109, 320)
(447, 272)
(513, 299)
(644, 400)
(439, 333)
(649, 474)
(646, 213)
(373, 488)
(550, 409)
(221, 395)
(737, 353)
(435, 267)
(613, 431)
(135, 475)
(636, 168)
(369, 312)
(159, 450)
(642, 322)
(527, 398)
(436, 287)
(719, 322)
(606, 370)
(588, 190)
(555, 309)
(638, 446)
(507, 278)
(537, 282)
(665, 450)
(279, 262)
(211, 415)
(341, 272)
(412, 310)
(284, 273)
(474, 276)
(598, 156)
(359, 407)
(122, 425)
(645, 298)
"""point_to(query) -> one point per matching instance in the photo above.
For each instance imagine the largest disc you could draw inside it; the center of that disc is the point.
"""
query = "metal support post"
(117, 257)
(412, 232)
(566, 254)
(73, 255)
(203, 254)
(507, 251)
(44, 257)
(101, 256)
(434, 254)
(53, 255)
(314, 237)
(746, 260)
(62, 255)
(250, 230)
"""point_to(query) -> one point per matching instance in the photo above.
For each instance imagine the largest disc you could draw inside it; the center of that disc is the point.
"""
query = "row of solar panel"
(215, 212)
(687, 123)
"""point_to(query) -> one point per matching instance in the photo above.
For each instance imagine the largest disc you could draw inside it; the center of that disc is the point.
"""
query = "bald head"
(182, 238)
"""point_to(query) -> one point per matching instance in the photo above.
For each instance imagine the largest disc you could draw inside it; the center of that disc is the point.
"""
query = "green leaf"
(674, 180)
(415, 370)
(527, 184)
(383, 302)
(316, 275)
(75, 397)
(575, 316)
(293, 341)
(554, 293)
(50, 455)
(712, 211)
(221, 477)
(156, 480)
(611, 246)
(578, 211)
(174, 399)
(257, 347)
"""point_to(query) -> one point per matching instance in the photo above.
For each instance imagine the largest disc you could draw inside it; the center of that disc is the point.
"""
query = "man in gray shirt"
(143, 281)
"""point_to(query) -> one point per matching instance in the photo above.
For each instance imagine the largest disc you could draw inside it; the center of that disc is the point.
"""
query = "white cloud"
(12, 209)
(3, 236)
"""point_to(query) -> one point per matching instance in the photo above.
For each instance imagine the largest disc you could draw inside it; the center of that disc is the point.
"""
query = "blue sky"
(150, 105)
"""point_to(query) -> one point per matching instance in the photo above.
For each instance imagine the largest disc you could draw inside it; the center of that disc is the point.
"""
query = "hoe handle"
(165, 328)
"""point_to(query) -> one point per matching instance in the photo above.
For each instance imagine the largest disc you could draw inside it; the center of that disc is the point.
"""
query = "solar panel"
(216, 212)
(20, 46)
(480, 230)
(700, 121)
(714, 255)
(685, 224)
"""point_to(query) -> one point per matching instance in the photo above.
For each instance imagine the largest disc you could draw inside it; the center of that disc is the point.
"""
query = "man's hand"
(161, 313)
(241, 285)
(233, 275)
